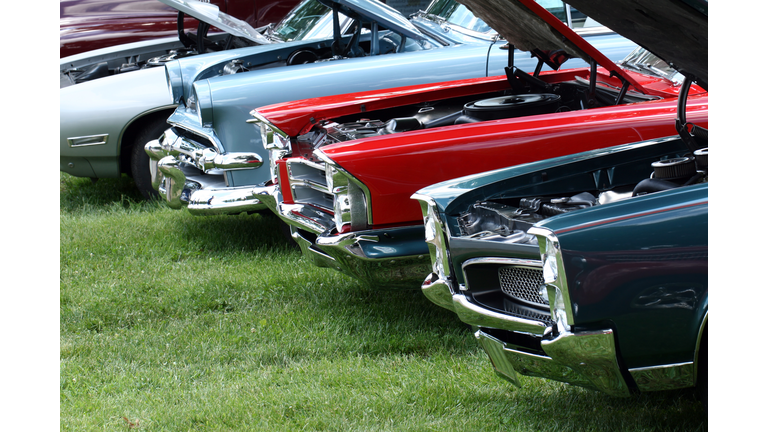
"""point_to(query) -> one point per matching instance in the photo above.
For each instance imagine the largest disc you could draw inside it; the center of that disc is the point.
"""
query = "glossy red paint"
(86, 25)
(298, 117)
(394, 167)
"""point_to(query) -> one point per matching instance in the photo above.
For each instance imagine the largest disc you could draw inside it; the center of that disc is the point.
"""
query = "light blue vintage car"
(114, 100)
(211, 158)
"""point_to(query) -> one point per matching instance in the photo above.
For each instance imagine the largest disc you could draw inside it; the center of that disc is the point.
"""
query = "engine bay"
(508, 220)
(529, 96)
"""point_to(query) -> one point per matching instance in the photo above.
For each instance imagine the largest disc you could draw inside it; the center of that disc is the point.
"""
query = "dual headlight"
(554, 278)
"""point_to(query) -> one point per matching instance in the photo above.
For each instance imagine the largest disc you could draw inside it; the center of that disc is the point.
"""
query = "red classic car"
(86, 25)
(344, 167)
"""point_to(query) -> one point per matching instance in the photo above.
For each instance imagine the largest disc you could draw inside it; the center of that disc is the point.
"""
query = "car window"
(576, 20)
(457, 14)
(309, 20)
(555, 7)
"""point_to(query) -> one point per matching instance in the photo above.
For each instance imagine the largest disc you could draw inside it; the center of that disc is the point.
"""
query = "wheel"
(140, 159)
(702, 380)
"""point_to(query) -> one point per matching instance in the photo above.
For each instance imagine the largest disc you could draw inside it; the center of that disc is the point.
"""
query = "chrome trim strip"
(473, 314)
(309, 184)
(664, 377)
(592, 31)
(88, 140)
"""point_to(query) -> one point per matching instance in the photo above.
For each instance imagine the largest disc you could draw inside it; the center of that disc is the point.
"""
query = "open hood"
(210, 14)
(674, 30)
(374, 10)
(530, 27)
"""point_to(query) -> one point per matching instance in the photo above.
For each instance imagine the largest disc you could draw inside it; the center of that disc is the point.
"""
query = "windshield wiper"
(269, 32)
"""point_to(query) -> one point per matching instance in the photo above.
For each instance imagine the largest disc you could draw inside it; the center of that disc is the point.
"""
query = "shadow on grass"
(570, 408)
(77, 194)
(259, 232)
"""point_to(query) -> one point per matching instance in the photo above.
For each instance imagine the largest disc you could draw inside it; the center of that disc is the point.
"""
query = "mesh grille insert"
(522, 284)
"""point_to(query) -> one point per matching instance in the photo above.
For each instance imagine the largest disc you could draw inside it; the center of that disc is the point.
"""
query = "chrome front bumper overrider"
(186, 173)
(586, 359)
(438, 291)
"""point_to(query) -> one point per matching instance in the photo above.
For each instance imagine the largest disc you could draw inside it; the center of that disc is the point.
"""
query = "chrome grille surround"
(521, 297)
(522, 284)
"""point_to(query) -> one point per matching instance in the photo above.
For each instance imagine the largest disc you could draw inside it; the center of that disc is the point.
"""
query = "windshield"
(309, 20)
(457, 14)
(641, 60)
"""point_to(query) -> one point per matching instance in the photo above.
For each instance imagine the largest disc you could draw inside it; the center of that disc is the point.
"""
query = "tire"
(140, 160)
(702, 383)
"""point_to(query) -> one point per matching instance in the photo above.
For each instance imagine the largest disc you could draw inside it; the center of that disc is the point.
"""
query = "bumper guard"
(187, 173)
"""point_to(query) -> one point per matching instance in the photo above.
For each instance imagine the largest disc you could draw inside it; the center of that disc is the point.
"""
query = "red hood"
(395, 166)
(297, 117)
(535, 29)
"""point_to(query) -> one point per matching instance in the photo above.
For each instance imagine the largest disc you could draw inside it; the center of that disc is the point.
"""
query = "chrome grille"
(308, 183)
(524, 312)
(522, 283)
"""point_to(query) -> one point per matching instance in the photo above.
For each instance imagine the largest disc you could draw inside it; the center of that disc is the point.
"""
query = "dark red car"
(86, 25)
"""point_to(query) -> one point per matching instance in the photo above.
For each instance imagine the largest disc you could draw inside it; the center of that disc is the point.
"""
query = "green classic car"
(591, 268)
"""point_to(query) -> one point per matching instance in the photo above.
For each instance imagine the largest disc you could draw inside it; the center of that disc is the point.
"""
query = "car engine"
(508, 221)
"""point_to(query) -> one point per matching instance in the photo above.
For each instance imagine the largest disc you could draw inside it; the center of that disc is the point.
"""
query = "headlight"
(554, 278)
(434, 236)
(200, 101)
(549, 260)
(350, 197)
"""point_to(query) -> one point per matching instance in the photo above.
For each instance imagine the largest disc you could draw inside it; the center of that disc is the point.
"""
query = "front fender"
(94, 115)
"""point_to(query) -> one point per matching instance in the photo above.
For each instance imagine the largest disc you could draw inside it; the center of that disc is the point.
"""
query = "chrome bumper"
(393, 257)
(186, 173)
(585, 358)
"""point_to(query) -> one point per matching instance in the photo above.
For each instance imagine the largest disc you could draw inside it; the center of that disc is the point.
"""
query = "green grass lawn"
(171, 322)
